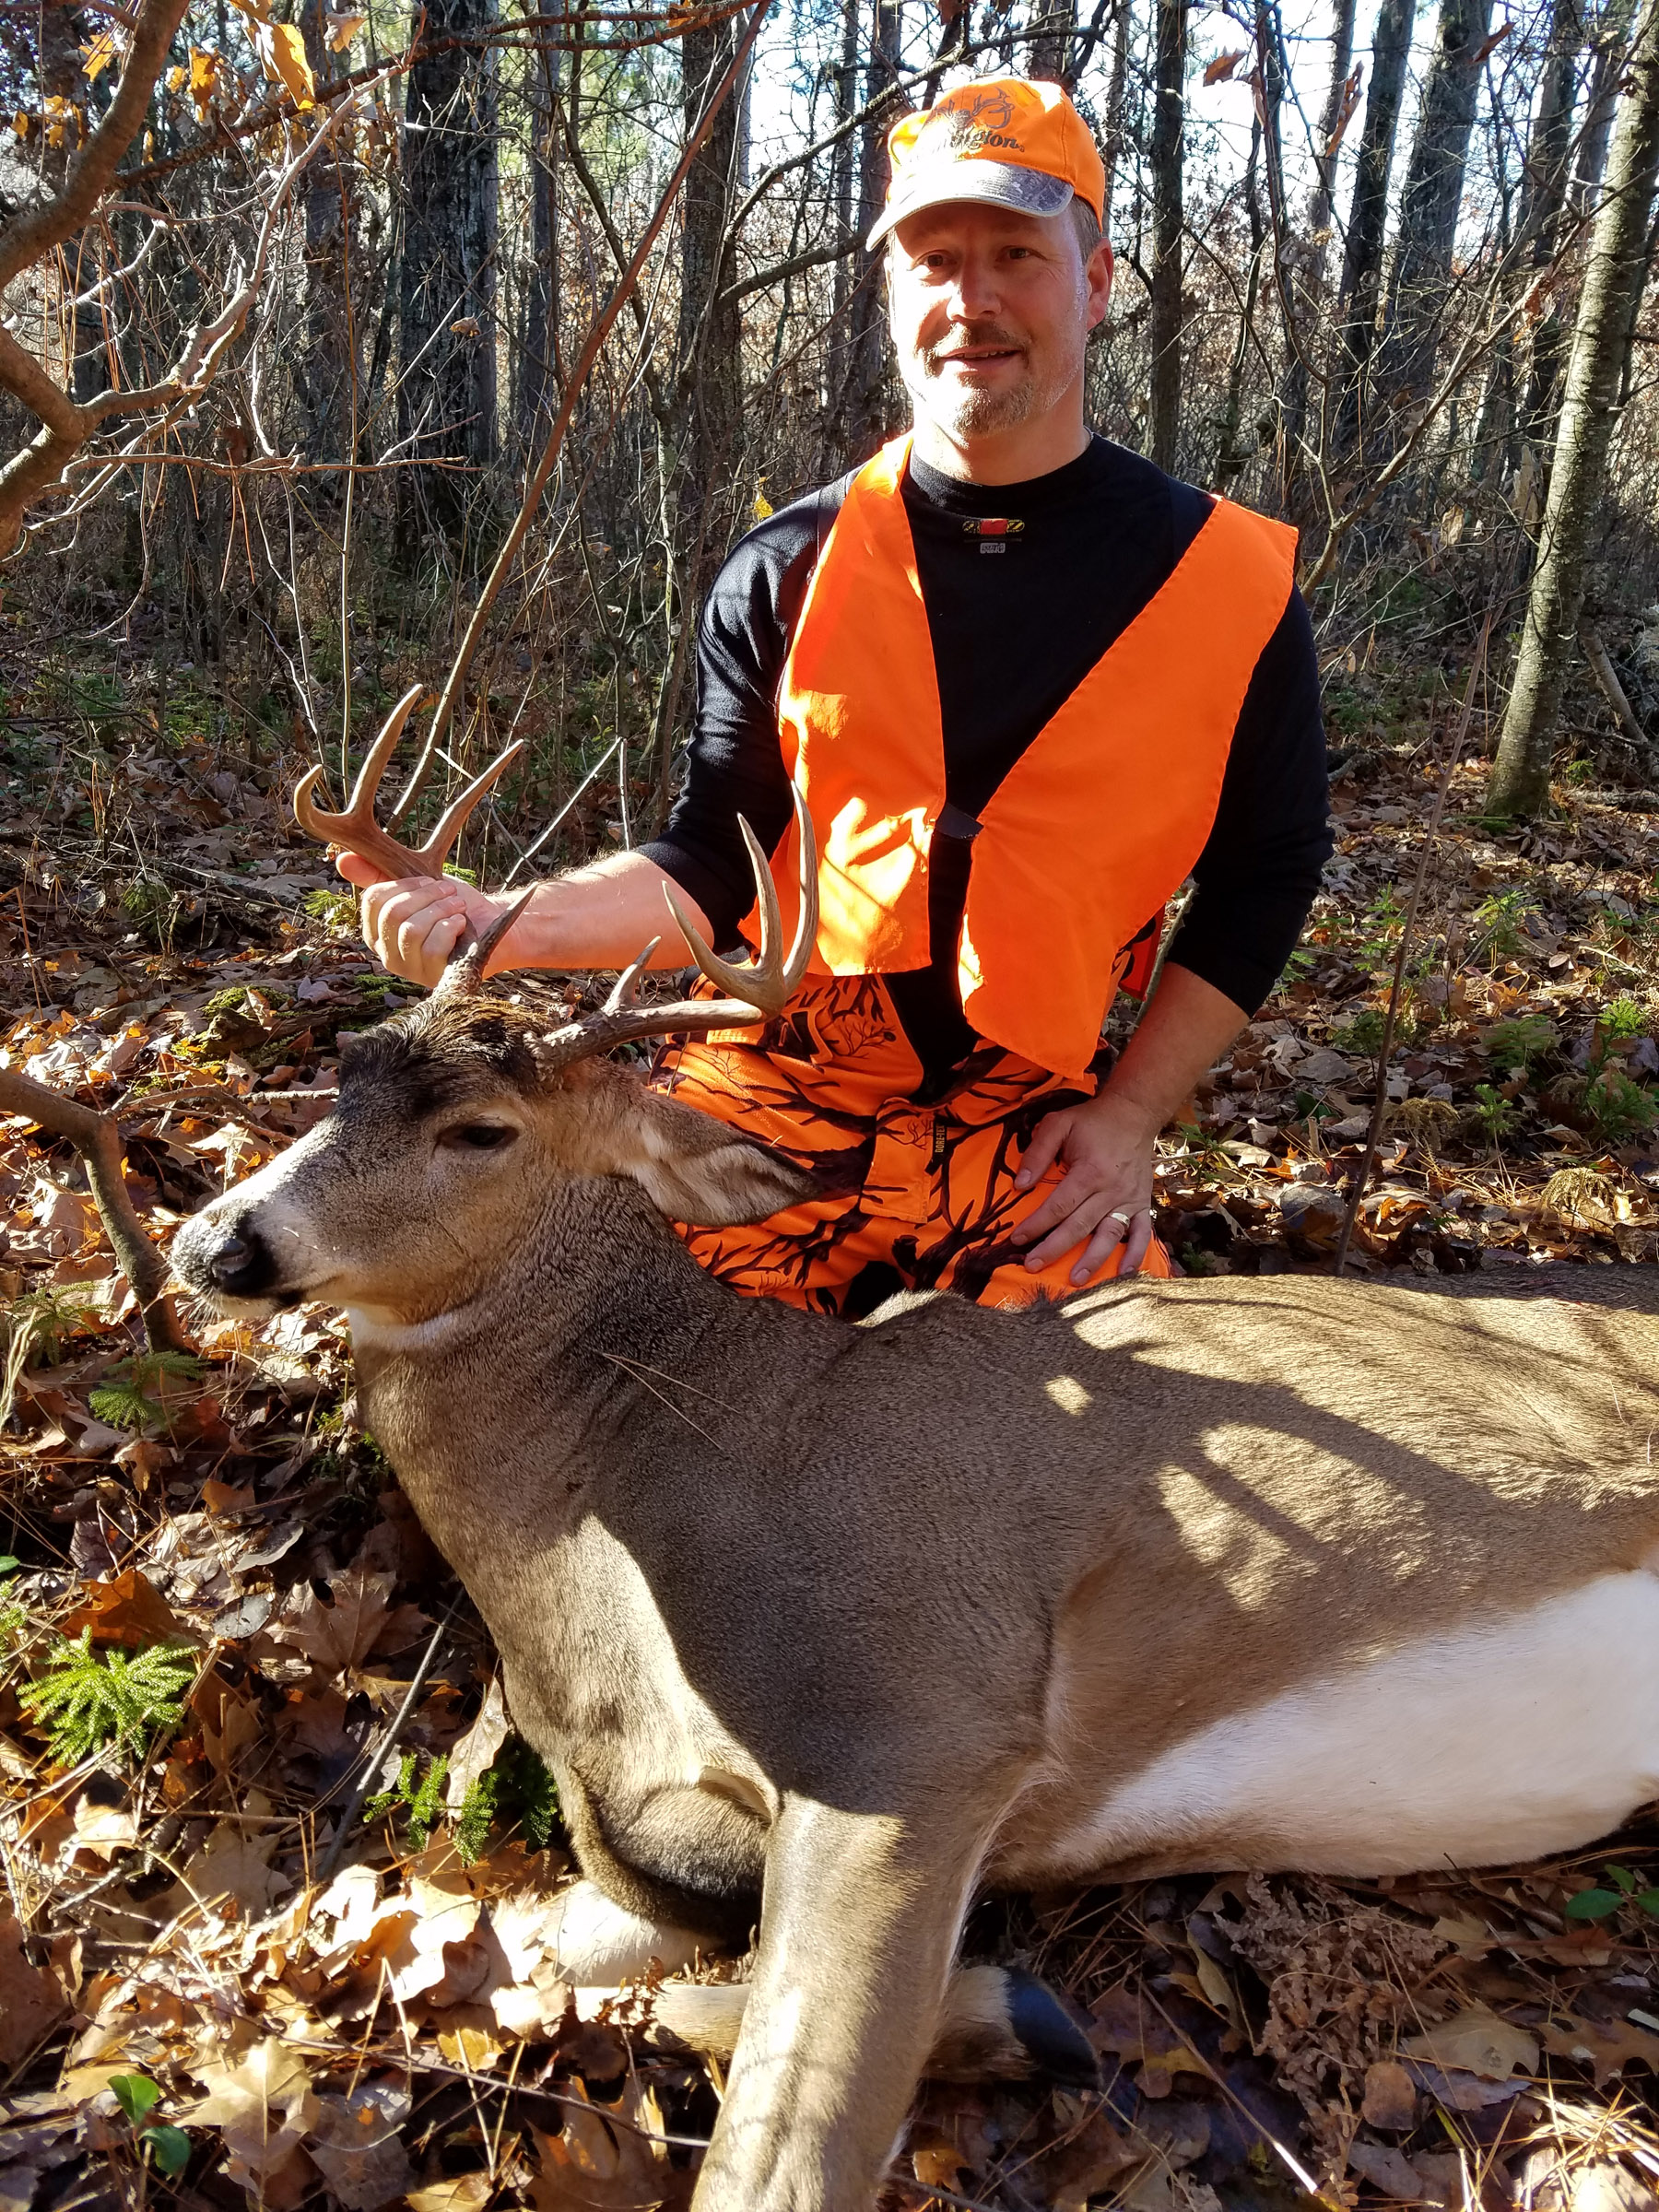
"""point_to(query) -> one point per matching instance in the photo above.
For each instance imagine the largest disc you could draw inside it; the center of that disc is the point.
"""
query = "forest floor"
(202, 2000)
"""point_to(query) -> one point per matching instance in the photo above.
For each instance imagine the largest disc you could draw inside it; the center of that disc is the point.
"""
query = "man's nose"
(974, 295)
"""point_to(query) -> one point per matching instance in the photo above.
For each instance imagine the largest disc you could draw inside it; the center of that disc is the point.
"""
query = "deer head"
(462, 1121)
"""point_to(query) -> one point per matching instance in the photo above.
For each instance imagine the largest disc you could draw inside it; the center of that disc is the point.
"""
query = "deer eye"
(479, 1136)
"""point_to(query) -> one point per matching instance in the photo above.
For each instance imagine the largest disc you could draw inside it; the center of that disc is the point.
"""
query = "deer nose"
(240, 1263)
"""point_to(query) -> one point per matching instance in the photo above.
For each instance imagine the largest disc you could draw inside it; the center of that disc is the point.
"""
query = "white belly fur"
(1531, 1733)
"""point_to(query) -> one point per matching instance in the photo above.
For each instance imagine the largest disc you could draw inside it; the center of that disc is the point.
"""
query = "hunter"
(1029, 685)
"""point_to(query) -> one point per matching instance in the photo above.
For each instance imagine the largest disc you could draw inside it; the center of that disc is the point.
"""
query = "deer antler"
(760, 988)
(356, 828)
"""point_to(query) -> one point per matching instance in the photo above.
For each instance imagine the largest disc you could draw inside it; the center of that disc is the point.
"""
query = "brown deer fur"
(837, 1623)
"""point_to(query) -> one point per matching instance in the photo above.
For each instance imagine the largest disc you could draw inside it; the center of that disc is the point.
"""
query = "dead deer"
(839, 1624)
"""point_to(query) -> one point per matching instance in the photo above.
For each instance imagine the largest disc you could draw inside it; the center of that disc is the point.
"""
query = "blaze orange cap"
(1005, 141)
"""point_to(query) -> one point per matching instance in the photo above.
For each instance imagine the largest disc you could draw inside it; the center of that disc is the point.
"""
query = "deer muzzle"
(222, 1254)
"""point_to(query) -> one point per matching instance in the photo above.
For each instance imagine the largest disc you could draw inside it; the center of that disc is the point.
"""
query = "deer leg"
(857, 1932)
(996, 2024)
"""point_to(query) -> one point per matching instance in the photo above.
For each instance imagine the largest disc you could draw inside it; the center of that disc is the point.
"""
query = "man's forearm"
(1185, 1031)
(604, 916)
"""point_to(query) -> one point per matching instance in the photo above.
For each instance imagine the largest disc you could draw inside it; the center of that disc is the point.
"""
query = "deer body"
(839, 1623)
(1364, 1612)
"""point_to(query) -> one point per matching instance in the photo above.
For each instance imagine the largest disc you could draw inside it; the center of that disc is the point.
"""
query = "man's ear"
(695, 1170)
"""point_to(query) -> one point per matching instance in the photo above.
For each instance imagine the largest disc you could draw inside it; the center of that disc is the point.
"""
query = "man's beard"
(967, 412)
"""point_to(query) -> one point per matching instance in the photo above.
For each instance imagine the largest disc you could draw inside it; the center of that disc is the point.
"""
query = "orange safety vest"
(1095, 827)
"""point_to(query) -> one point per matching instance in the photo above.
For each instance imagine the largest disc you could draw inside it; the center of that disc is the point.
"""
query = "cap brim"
(989, 184)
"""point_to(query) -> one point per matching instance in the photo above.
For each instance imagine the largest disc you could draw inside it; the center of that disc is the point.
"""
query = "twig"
(97, 1138)
(1613, 691)
(1380, 1098)
(373, 1760)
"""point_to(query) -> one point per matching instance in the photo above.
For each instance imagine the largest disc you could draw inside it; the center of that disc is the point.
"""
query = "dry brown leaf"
(1481, 2041)
(263, 2107)
(356, 2144)
(31, 2001)
(1390, 2096)
(1605, 2186)
(1132, 2029)
(1386, 2168)
(233, 1865)
(1090, 2163)
(473, 1754)
(466, 2192)
(341, 1634)
(104, 1828)
(128, 1611)
(602, 2162)
(474, 2049)
(1605, 2046)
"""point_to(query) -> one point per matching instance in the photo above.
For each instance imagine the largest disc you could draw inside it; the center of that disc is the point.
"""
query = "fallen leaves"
(32, 2000)
(338, 1633)
(606, 2157)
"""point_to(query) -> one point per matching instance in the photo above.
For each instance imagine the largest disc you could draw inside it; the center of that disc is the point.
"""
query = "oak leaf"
(32, 2003)
(263, 2107)
(130, 1610)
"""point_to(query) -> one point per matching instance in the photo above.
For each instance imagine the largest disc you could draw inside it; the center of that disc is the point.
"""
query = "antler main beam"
(357, 831)
(759, 989)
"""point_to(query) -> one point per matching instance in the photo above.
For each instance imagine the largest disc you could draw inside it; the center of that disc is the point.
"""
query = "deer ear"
(696, 1170)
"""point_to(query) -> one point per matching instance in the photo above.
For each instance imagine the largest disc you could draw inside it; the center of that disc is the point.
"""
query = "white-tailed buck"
(829, 1626)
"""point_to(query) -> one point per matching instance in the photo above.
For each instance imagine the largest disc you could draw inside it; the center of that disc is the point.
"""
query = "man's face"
(991, 311)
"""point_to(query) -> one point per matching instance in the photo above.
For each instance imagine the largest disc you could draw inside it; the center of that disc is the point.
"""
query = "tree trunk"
(78, 258)
(1048, 51)
(864, 407)
(1168, 227)
(1613, 277)
(1112, 153)
(1608, 42)
(1307, 275)
(541, 318)
(333, 303)
(1367, 214)
(838, 353)
(1543, 203)
(447, 301)
(710, 380)
(1429, 205)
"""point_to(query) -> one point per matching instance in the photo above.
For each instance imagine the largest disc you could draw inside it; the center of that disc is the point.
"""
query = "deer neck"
(596, 1321)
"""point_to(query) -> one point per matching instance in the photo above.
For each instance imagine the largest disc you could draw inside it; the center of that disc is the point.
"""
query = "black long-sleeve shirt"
(1013, 634)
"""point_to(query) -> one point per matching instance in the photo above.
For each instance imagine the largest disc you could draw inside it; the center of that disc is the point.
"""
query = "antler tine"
(759, 989)
(625, 992)
(356, 828)
(454, 815)
(463, 970)
(765, 982)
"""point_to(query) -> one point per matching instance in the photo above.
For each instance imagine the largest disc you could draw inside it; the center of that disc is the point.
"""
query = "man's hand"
(1106, 1144)
(412, 926)
(1105, 1195)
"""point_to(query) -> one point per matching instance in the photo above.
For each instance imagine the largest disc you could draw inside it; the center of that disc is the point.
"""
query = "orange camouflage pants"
(920, 1193)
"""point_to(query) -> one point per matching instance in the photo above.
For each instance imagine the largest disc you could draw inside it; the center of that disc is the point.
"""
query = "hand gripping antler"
(760, 988)
(356, 828)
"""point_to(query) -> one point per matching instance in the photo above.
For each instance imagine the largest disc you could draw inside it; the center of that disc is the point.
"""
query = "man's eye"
(479, 1136)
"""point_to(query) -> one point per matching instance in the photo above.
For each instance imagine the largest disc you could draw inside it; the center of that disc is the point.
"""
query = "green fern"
(11, 1617)
(417, 1793)
(516, 1795)
(123, 1399)
(123, 1701)
(34, 1328)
